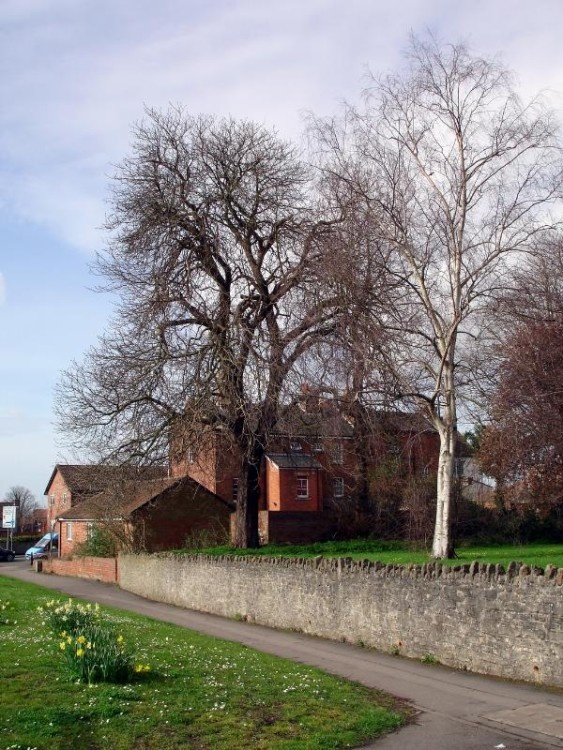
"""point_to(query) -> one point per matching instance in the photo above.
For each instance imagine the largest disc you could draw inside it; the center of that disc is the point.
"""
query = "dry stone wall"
(479, 617)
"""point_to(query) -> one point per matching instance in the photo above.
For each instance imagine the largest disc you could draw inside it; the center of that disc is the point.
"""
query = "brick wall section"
(203, 469)
(294, 527)
(59, 499)
(273, 486)
(282, 489)
(78, 533)
(179, 514)
(96, 568)
(478, 618)
(214, 466)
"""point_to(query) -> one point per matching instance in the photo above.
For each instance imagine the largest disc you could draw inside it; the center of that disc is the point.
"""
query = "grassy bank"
(200, 693)
(397, 553)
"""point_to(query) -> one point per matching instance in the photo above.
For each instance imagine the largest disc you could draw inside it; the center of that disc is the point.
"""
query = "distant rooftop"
(293, 461)
(90, 479)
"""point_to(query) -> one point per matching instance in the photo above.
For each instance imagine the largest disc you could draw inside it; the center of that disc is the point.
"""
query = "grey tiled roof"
(324, 420)
(293, 461)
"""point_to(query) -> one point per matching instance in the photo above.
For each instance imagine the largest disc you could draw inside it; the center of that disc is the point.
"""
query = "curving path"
(456, 710)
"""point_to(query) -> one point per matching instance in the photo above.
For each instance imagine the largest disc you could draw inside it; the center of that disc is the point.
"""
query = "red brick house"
(312, 467)
(70, 484)
(148, 514)
(310, 459)
(313, 464)
(37, 523)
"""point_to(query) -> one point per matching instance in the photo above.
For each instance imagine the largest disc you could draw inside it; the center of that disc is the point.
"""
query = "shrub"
(214, 536)
(102, 543)
(26, 538)
(429, 659)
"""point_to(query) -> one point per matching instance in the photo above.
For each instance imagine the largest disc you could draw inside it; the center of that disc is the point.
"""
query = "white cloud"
(68, 204)
(77, 75)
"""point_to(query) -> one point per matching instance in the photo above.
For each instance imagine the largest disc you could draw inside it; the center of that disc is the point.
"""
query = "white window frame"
(337, 452)
(338, 486)
(295, 446)
(69, 531)
(302, 489)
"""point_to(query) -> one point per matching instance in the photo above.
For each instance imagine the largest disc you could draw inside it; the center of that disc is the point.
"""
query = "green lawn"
(202, 693)
(397, 553)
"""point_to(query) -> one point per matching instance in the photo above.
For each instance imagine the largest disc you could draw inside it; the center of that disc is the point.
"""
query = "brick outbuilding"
(151, 515)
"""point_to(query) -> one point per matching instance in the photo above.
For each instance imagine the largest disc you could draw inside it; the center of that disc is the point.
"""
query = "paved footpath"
(456, 710)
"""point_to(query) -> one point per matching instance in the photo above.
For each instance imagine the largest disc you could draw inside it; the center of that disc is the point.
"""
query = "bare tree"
(459, 176)
(522, 443)
(522, 446)
(25, 501)
(344, 366)
(535, 292)
(215, 241)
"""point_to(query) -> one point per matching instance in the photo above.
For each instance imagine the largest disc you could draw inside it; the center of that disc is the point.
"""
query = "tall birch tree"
(459, 176)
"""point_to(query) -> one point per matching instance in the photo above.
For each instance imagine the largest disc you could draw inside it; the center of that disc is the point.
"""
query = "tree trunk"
(362, 430)
(245, 532)
(442, 546)
(363, 493)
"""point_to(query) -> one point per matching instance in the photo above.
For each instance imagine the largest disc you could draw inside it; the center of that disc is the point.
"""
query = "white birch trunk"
(447, 428)
(442, 544)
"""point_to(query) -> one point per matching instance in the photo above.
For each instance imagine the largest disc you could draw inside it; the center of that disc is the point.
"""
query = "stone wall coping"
(514, 572)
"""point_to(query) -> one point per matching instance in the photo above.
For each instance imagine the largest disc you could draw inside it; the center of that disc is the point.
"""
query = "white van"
(45, 546)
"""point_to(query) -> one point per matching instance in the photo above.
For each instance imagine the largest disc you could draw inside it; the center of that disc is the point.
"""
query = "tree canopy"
(459, 176)
(216, 235)
(235, 261)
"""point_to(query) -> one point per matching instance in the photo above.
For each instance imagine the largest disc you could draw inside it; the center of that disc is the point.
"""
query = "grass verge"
(201, 693)
(398, 553)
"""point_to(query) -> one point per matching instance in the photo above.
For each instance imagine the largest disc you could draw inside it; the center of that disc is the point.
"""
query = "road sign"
(9, 516)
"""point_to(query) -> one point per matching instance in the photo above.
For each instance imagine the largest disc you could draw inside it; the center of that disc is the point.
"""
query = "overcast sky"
(76, 74)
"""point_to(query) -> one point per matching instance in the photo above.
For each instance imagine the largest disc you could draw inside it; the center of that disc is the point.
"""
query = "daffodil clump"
(93, 649)
(70, 616)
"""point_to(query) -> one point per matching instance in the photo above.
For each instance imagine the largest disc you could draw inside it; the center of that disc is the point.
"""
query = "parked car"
(7, 555)
(43, 547)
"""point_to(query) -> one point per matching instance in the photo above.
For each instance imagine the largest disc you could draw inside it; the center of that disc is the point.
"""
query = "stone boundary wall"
(95, 568)
(477, 617)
